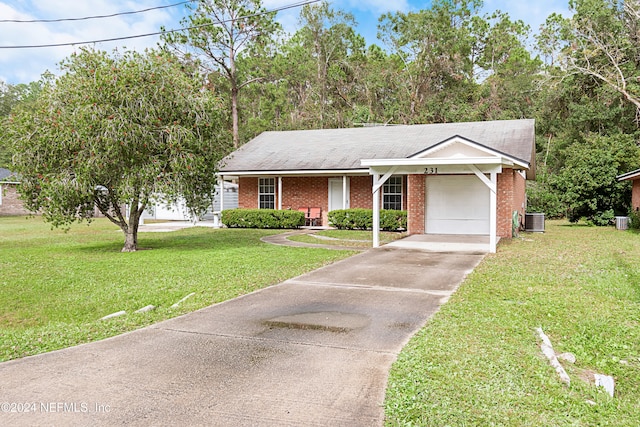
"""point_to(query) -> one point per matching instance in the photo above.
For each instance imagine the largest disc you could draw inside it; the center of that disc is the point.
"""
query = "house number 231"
(430, 171)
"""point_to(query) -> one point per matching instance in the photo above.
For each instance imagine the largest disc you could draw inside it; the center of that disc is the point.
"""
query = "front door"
(336, 194)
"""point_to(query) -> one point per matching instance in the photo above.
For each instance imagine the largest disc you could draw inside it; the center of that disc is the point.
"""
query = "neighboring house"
(634, 177)
(226, 199)
(454, 178)
(10, 203)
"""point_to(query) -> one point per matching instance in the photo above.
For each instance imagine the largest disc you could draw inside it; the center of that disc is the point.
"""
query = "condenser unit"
(534, 222)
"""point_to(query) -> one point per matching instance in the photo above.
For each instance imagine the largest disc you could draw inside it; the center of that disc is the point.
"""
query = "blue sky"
(26, 65)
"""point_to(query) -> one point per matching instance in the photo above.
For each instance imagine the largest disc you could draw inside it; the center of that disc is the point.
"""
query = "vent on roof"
(534, 222)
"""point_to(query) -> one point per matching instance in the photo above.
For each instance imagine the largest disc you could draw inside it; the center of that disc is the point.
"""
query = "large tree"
(435, 46)
(117, 130)
(216, 32)
(604, 43)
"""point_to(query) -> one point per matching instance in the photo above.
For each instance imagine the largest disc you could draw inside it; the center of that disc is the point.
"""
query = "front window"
(392, 193)
(267, 193)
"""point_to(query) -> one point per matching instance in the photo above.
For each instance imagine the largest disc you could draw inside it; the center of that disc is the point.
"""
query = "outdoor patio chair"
(315, 216)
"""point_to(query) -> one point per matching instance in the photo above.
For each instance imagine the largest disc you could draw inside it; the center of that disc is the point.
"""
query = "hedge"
(262, 218)
(362, 219)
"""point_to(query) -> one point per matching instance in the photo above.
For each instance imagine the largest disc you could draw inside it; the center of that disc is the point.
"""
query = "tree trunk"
(234, 116)
(131, 230)
(130, 239)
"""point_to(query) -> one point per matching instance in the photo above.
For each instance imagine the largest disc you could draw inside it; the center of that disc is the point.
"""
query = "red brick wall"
(360, 192)
(307, 191)
(635, 194)
(415, 203)
(519, 194)
(11, 204)
(248, 193)
(505, 202)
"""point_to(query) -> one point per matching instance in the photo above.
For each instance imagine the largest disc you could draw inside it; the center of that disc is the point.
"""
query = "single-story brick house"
(634, 177)
(452, 178)
(10, 203)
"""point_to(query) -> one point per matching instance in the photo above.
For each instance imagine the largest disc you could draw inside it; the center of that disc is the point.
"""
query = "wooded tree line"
(579, 77)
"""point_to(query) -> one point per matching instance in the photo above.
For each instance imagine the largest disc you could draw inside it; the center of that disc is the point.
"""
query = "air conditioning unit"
(534, 222)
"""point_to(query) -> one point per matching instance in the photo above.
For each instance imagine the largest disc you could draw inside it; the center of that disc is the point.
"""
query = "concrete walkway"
(314, 351)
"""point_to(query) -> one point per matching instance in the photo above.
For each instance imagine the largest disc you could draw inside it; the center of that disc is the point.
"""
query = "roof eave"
(629, 175)
(294, 172)
(430, 161)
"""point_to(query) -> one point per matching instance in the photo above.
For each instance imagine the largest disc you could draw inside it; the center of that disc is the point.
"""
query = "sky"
(24, 65)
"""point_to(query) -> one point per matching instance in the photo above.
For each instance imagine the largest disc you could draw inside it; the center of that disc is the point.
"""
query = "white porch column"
(221, 178)
(279, 193)
(378, 182)
(493, 203)
(376, 210)
(344, 192)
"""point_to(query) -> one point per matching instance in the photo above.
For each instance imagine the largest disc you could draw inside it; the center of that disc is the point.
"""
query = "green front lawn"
(55, 286)
(478, 360)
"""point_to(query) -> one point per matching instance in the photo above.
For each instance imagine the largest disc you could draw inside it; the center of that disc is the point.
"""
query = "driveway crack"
(258, 339)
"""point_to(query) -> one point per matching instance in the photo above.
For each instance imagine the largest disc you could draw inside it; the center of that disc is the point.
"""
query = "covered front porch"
(434, 210)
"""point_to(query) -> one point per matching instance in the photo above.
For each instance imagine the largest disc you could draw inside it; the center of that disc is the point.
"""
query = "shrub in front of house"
(392, 220)
(634, 219)
(262, 218)
(362, 219)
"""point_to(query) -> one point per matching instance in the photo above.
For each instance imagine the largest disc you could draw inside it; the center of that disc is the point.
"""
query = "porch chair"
(315, 216)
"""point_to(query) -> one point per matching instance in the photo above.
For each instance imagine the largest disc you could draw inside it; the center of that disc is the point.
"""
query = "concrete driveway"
(314, 350)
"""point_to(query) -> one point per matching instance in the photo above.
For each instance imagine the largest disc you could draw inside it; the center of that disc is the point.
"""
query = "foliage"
(588, 185)
(113, 131)
(541, 198)
(604, 36)
(10, 97)
(216, 33)
(55, 286)
(351, 219)
(634, 219)
(362, 219)
(479, 357)
(262, 218)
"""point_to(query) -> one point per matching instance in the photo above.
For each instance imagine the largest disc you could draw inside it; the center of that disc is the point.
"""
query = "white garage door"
(457, 204)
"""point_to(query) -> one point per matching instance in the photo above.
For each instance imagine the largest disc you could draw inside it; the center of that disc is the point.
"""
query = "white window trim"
(267, 194)
(384, 186)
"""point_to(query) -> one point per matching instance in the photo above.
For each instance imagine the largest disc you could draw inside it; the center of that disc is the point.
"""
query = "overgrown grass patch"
(478, 360)
(55, 286)
(348, 238)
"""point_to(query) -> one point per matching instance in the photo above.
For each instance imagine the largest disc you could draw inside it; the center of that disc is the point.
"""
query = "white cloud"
(533, 13)
(25, 65)
(376, 7)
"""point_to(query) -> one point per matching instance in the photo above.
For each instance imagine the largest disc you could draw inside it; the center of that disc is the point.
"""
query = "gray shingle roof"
(340, 149)
(6, 173)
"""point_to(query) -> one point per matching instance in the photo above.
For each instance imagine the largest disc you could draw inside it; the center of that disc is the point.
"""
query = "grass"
(347, 238)
(478, 360)
(55, 286)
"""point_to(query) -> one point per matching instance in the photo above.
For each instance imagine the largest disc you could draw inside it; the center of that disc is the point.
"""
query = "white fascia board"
(437, 161)
(628, 175)
(332, 172)
(435, 170)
